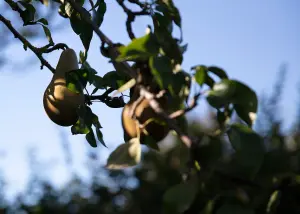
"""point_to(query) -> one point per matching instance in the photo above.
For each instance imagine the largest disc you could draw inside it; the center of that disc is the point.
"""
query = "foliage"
(198, 175)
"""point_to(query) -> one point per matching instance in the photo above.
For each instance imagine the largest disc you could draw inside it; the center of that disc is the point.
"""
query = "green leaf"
(48, 35)
(90, 137)
(200, 75)
(249, 149)
(100, 12)
(43, 21)
(76, 80)
(161, 69)
(91, 72)
(235, 92)
(125, 155)
(164, 37)
(168, 8)
(79, 127)
(86, 119)
(140, 48)
(73, 83)
(181, 196)
(82, 56)
(114, 80)
(231, 208)
(218, 71)
(79, 26)
(181, 85)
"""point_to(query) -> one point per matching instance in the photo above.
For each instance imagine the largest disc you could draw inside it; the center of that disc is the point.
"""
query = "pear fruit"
(60, 103)
(143, 114)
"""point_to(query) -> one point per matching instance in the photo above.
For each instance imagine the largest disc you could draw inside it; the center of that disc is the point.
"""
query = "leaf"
(164, 37)
(161, 69)
(86, 36)
(218, 71)
(79, 127)
(181, 85)
(76, 80)
(113, 79)
(48, 35)
(79, 26)
(276, 162)
(249, 148)
(202, 77)
(90, 137)
(231, 208)
(140, 48)
(169, 8)
(28, 14)
(181, 196)
(82, 56)
(200, 74)
(100, 12)
(100, 137)
(125, 155)
(98, 82)
(127, 85)
(43, 21)
(115, 102)
(91, 72)
(235, 92)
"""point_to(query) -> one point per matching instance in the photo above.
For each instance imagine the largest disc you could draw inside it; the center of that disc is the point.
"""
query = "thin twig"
(131, 17)
(193, 104)
(53, 48)
(26, 43)
(101, 97)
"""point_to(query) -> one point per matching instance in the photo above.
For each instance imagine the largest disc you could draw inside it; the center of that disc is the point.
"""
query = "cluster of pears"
(60, 103)
(144, 121)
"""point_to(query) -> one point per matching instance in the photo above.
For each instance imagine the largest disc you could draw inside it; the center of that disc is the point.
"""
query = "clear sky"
(249, 39)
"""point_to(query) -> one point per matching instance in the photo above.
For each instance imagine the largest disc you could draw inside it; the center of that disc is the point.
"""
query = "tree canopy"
(231, 169)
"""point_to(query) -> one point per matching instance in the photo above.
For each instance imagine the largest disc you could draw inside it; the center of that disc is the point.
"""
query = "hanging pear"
(60, 103)
(144, 113)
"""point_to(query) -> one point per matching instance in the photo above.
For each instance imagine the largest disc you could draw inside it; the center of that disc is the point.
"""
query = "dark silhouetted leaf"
(100, 12)
(90, 137)
(249, 148)
(48, 35)
(181, 196)
(234, 208)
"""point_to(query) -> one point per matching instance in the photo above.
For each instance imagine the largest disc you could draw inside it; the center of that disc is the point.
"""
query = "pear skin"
(60, 103)
(143, 113)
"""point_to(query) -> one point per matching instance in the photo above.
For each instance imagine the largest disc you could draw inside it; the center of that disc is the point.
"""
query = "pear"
(60, 103)
(144, 113)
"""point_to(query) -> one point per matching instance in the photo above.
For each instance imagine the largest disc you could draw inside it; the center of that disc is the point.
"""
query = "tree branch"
(133, 74)
(131, 17)
(26, 43)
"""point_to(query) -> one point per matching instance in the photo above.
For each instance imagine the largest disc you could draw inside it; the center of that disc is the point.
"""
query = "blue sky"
(249, 39)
